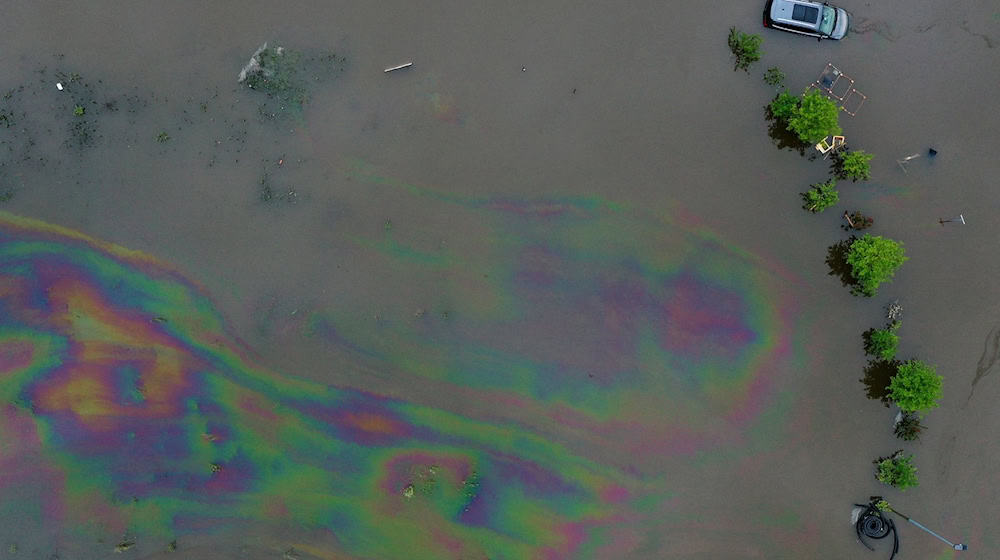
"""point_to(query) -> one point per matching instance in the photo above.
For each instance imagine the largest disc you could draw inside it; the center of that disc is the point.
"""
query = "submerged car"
(815, 19)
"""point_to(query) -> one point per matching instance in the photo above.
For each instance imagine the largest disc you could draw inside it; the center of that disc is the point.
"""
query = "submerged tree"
(873, 260)
(882, 343)
(896, 470)
(908, 426)
(821, 196)
(784, 106)
(815, 118)
(745, 47)
(915, 387)
(774, 77)
(854, 165)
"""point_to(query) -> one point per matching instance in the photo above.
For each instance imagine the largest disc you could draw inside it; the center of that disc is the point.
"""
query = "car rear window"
(807, 14)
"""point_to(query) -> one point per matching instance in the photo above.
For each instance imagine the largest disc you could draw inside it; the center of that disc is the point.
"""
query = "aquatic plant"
(745, 47)
(908, 427)
(873, 260)
(896, 470)
(79, 110)
(821, 196)
(916, 386)
(882, 343)
(162, 137)
(815, 118)
(774, 77)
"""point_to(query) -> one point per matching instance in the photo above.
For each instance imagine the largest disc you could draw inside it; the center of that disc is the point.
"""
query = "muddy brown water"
(635, 104)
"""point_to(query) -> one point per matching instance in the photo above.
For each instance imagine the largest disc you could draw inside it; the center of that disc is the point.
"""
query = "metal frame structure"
(839, 87)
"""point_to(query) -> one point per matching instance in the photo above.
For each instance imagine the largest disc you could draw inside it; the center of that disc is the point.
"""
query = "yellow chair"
(824, 147)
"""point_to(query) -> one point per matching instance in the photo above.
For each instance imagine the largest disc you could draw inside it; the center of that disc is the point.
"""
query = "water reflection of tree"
(783, 138)
(836, 259)
(878, 374)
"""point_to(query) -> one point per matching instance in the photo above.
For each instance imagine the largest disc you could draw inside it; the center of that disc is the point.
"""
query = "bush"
(774, 77)
(857, 220)
(815, 118)
(896, 470)
(854, 165)
(909, 427)
(821, 196)
(882, 343)
(916, 386)
(784, 105)
(873, 260)
(745, 47)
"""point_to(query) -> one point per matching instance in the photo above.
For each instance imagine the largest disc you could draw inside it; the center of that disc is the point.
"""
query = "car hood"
(843, 22)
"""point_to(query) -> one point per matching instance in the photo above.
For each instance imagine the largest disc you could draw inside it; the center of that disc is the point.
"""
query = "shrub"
(882, 343)
(854, 165)
(784, 105)
(857, 220)
(815, 118)
(873, 260)
(896, 470)
(916, 386)
(821, 196)
(774, 77)
(745, 47)
(909, 427)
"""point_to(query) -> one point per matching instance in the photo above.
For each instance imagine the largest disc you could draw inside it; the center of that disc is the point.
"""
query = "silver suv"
(815, 19)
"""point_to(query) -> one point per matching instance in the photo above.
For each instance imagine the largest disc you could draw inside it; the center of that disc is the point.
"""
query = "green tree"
(916, 386)
(882, 343)
(821, 196)
(784, 105)
(815, 118)
(745, 47)
(774, 77)
(854, 165)
(897, 470)
(873, 260)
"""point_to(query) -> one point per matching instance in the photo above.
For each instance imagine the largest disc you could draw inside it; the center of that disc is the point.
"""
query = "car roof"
(805, 14)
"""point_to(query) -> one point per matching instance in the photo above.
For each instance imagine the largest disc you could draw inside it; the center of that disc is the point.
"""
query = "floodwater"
(548, 293)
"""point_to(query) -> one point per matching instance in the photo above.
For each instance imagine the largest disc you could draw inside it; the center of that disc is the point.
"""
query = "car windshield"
(829, 18)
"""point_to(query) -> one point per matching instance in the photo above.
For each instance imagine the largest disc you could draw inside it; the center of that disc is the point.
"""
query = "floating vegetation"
(269, 194)
(79, 110)
(124, 545)
(162, 137)
(284, 75)
(470, 486)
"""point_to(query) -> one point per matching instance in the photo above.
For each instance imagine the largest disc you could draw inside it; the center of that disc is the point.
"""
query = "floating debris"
(894, 310)
(124, 545)
(400, 67)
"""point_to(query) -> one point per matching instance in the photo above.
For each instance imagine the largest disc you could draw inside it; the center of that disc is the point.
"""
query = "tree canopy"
(916, 386)
(874, 260)
(815, 118)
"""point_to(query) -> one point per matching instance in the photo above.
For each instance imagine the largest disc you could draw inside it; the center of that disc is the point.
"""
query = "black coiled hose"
(874, 525)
